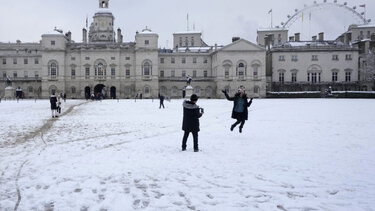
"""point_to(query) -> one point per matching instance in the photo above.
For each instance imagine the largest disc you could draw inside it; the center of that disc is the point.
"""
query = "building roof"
(271, 29)
(188, 32)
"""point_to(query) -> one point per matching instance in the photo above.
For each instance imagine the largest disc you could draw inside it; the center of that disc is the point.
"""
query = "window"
(173, 60)
(147, 90)
(36, 74)
(183, 60)
(205, 61)
(255, 71)
(314, 58)
(173, 73)
(348, 57)
(14, 60)
(100, 70)
(281, 77)
(294, 77)
(14, 74)
(73, 73)
(53, 42)
(347, 76)
(30, 89)
(127, 72)
(4, 61)
(194, 73)
(314, 78)
(334, 76)
(25, 74)
(281, 58)
(161, 60)
(87, 72)
(180, 42)
(4, 74)
(294, 58)
(256, 89)
(183, 74)
(226, 71)
(36, 61)
(241, 70)
(335, 57)
(87, 58)
(53, 70)
(192, 41)
(308, 77)
(113, 58)
(194, 60)
(73, 58)
(113, 72)
(73, 90)
(162, 73)
(146, 68)
(25, 61)
(147, 42)
(186, 42)
(127, 58)
(205, 74)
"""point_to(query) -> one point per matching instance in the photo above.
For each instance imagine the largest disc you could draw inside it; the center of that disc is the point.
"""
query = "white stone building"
(103, 63)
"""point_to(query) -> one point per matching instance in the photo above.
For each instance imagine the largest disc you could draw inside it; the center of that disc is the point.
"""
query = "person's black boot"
(196, 150)
(232, 127)
(240, 129)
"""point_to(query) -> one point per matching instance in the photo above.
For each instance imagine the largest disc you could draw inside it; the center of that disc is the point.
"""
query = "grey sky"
(219, 20)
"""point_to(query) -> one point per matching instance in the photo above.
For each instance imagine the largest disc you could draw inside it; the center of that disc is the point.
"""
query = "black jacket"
(53, 101)
(190, 121)
(235, 115)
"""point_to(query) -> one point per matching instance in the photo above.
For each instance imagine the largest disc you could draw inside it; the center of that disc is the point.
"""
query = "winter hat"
(193, 97)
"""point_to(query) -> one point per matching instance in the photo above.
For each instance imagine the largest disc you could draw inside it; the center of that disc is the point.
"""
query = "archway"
(100, 91)
(113, 92)
(87, 92)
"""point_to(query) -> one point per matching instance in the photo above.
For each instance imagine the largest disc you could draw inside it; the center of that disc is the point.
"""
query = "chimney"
(321, 36)
(69, 36)
(373, 37)
(314, 38)
(291, 39)
(119, 36)
(84, 35)
(234, 39)
(297, 37)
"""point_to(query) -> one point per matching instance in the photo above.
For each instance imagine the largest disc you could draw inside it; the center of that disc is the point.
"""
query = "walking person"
(59, 104)
(190, 123)
(161, 98)
(240, 105)
(53, 101)
(64, 97)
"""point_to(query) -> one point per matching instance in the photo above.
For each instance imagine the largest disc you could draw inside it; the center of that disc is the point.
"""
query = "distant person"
(64, 97)
(190, 123)
(53, 101)
(161, 99)
(240, 105)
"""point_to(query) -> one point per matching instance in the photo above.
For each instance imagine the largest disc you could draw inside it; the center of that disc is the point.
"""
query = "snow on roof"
(272, 29)
(194, 49)
(103, 10)
(188, 32)
(54, 33)
(366, 26)
(147, 31)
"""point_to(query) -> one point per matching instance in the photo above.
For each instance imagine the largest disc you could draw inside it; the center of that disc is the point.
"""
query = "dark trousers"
(238, 122)
(195, 139)
(161, 104)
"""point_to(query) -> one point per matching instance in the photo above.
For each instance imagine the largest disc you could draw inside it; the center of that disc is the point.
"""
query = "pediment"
(242, 45)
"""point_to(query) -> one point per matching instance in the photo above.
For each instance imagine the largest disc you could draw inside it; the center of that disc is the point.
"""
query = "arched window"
(147, 90)
(100, 70)
(241, 70)
(73, 90)
(197, 90)
(255, 70)
(53, 70)
(147, 68)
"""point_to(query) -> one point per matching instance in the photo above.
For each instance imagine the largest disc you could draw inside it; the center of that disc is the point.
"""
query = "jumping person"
(240, 106)
(53, 101)
(190, 123)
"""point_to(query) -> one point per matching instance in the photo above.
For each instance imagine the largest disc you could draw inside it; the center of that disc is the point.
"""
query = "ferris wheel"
(359, 17)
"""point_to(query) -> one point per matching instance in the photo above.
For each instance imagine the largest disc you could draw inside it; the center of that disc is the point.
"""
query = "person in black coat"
(53, 101)
(190, 123)
(161, 98)
(240, 106)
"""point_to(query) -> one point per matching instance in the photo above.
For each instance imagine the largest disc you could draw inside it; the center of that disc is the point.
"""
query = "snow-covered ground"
(294, 154)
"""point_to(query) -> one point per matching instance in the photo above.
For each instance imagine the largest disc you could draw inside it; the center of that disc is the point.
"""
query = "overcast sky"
(219, 20)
